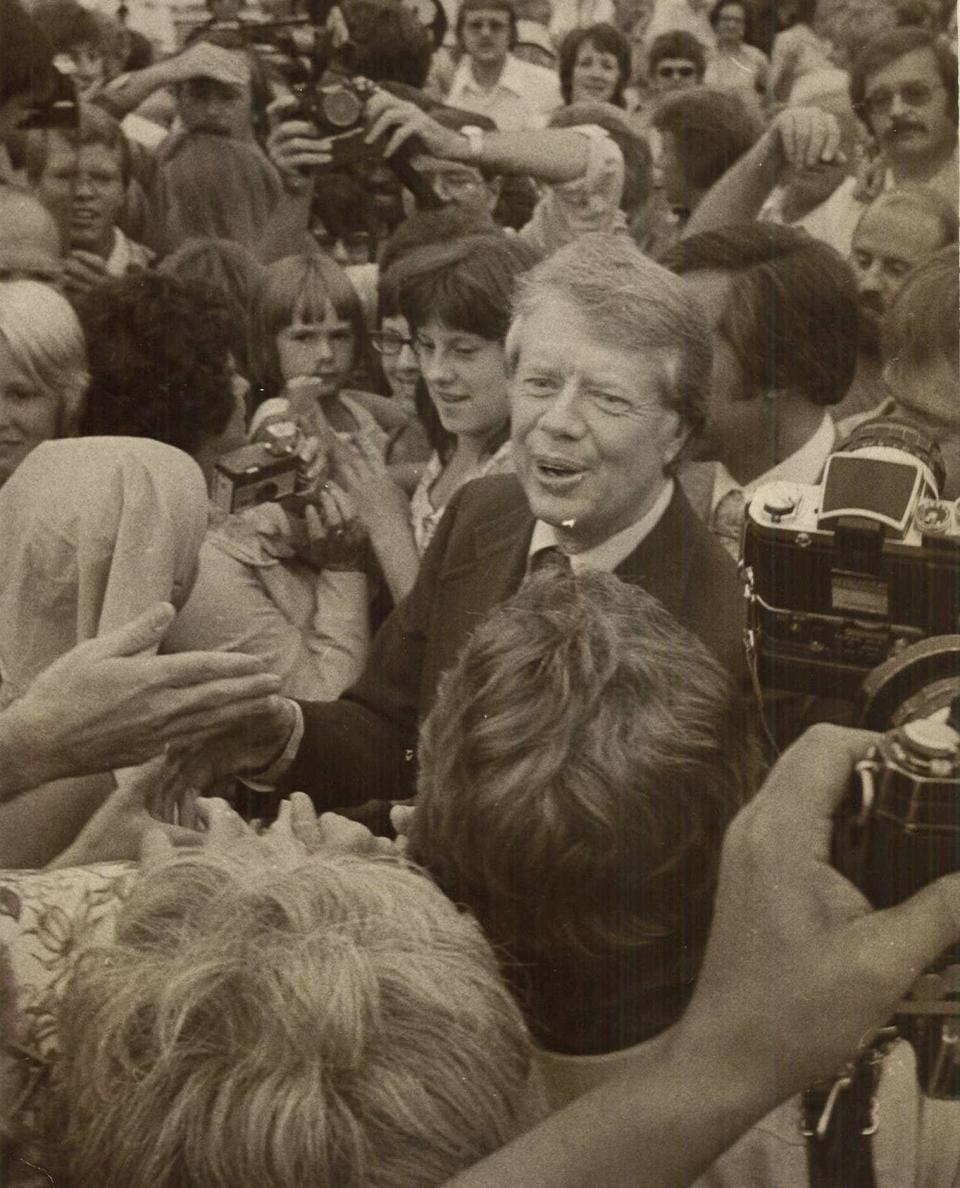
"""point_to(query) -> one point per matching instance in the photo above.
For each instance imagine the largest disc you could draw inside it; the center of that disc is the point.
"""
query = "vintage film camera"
(843, 575)
(899, 829)
(320, 74)
(260, 473)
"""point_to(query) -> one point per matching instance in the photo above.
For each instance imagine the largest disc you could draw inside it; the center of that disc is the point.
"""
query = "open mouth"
(558, 472)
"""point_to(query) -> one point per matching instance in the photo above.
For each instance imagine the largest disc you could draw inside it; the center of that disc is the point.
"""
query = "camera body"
(260, 473)
(336, 106)
(843, 575)
(898, 830)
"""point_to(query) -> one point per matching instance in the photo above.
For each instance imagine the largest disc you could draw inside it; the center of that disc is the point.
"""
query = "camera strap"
(839, 1118)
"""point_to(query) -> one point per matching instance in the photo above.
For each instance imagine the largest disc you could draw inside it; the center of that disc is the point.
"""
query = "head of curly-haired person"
(576, 779)
(784, 311)
(281, 1020)
(161, 367)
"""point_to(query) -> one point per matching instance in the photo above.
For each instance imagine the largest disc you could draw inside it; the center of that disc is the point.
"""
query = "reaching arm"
(105, 705)
(551, 155)
(202, 59)
(799, 138)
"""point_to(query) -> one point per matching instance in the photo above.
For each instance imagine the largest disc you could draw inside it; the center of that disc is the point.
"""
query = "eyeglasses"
(389, 342)
(671, 72)
(478, 24)
(913, 94)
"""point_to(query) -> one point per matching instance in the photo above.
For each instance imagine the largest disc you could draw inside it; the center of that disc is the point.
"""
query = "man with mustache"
(903, 87)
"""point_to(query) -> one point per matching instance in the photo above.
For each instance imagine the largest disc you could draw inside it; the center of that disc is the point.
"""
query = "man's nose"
(339, 252)
(562, 416)
(897, 105)
(82, 185)
(869, 279)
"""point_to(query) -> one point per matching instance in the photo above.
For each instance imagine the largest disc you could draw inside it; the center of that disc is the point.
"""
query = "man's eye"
(611, 402)
(538, 384)
(897, 268)
(343, 335)
(465, 352)
(20, 395)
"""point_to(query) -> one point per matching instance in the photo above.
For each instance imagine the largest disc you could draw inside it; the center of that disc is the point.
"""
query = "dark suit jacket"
(363, 746)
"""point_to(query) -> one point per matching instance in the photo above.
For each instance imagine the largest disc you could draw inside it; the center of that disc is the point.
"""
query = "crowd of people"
(388, 796)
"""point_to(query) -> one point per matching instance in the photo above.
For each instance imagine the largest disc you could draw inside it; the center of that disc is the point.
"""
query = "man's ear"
(492, 185)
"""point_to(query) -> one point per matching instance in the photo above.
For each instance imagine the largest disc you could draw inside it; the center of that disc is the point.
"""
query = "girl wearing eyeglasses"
(455, 299)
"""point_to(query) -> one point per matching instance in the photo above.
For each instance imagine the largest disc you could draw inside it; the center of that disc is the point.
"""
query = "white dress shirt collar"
(611, 552)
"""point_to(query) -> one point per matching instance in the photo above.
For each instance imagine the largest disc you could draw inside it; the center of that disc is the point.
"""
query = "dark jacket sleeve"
(363, 746)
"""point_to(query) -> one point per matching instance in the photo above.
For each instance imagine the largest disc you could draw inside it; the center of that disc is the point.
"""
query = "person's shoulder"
(489, 498)
(528, 75)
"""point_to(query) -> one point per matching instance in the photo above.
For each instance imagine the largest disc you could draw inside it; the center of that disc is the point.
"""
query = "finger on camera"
(330, 509)
(316, 529)
(398, 140)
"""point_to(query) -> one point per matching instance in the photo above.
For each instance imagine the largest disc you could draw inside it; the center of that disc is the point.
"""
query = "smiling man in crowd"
(489, 79)
(80, 177)
(610, 363)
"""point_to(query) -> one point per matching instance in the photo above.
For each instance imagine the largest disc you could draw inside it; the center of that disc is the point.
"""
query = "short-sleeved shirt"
(523, 97)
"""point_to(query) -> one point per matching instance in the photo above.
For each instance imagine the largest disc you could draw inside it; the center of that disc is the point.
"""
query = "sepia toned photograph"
(479, 594)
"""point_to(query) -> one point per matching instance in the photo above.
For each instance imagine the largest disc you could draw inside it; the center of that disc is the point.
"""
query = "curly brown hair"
(159, 355)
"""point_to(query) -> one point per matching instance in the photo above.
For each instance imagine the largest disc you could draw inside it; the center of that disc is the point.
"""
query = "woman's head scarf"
(93, 531)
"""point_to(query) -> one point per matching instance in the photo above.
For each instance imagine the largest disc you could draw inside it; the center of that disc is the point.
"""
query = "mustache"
(899, 126)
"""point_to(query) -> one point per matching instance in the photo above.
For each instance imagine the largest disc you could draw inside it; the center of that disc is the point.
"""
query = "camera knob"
(779, 500)
(930, 739)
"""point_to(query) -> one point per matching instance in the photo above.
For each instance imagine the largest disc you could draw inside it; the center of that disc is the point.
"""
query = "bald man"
(30, 245)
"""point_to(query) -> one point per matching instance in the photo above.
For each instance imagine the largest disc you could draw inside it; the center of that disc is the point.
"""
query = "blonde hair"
(44, 336)
(281, 1021)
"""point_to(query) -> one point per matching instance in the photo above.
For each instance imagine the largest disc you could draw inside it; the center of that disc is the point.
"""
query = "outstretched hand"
(157, 796)
(105, 704)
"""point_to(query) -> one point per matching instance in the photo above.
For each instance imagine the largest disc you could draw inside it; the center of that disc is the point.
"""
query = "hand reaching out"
(381, 505)
(158, 792)
(105, 704)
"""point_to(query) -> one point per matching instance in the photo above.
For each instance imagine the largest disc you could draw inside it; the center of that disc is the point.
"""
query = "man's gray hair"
(629, 302)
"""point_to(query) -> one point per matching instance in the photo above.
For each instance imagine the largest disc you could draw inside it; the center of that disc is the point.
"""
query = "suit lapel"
(481, 576)
(661, 562)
